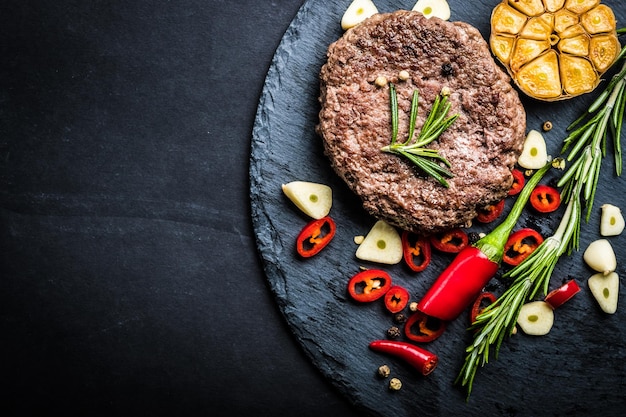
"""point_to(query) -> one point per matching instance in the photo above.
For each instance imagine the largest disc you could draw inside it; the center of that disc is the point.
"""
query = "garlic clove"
(382, 244)
(600, 256)
(534, 154)
(611, 220)
(605, 289)
(357, 11)
(315, 200)
(536, 318)
(430, 8)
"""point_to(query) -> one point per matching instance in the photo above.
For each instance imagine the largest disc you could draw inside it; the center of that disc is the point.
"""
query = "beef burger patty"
(482, 145)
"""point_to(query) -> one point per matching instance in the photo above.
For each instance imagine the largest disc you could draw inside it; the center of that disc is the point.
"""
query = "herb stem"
(427, 160)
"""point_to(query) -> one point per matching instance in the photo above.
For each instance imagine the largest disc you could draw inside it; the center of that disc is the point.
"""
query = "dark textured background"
(130, 282)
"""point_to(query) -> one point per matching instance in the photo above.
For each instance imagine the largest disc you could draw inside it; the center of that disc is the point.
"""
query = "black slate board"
(577, 369)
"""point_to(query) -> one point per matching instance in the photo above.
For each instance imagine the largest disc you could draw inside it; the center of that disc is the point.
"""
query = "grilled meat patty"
(482, 145)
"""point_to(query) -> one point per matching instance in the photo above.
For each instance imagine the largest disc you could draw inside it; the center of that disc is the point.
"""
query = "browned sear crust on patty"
(482, 145)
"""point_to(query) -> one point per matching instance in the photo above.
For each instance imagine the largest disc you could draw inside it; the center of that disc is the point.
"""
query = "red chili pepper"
(315, 236)
(561, 295)
(369, 285)
(520, 245)
(421, 359)
(450, 241)
(483, 300)
(545, 199)
(396, 298)
(518, 182)
(461, 282)
(491, 212)
(416, 251)
(422, 328)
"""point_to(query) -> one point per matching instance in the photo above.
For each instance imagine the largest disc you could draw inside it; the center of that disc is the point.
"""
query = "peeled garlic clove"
(382, 244)
(611, 221)
(605, 289)
(536, 318)
(357, 11)
(315, 200)
(600, 256)
(534, 154)
(430, 8)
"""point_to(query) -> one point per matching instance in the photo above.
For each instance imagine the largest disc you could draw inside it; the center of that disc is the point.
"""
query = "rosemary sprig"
(579, 184)
(498, 320)
(427, 160)
(606, 114)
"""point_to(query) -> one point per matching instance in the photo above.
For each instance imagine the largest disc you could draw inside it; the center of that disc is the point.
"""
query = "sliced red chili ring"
(369, 285)
(315, 236)
(564, 293)
(396, 298)
(450, 241)
(520, 245)
(484, 299)
(416, 250)
(491, 212)
(545, 199)
(518, 182)
(423, 328)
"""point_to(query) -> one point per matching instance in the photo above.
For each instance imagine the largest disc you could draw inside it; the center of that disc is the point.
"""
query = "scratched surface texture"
(578, 369)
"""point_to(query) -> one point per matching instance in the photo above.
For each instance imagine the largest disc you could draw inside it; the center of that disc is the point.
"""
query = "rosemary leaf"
(427, 160)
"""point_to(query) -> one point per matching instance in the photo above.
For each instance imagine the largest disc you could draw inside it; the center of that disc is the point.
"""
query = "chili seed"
(384, 371)
(395, 384)
(413, 306)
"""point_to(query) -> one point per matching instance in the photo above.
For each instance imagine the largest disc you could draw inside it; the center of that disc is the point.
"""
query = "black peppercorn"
(393, 332)
(446, 69)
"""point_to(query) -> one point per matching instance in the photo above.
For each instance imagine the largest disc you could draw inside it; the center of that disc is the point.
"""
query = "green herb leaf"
(588, 135)
(425, 159)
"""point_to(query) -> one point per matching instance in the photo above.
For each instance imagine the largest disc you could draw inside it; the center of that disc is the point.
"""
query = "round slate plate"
(579, 368)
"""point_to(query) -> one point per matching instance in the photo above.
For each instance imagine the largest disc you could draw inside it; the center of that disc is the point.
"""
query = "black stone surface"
(577, 369)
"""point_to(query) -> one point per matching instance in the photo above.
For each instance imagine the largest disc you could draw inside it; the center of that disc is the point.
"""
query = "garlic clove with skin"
(600, 256)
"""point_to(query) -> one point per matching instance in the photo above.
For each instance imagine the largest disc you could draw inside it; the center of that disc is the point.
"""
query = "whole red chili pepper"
(369, 285)
(461, 282)
(315, 236)
(416, 251)
(422, 328)
(421, 359)
(491, 212)
(520, 245)
(396, 298)
(450, 241)
(518, 182)
(545, 199)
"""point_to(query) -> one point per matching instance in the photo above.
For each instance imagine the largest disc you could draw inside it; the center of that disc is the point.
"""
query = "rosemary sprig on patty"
(427, 160)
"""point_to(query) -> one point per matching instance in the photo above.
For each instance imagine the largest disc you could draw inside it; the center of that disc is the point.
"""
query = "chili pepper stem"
(492, 245)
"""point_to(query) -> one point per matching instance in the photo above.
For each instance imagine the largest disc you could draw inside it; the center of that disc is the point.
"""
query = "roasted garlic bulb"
(554, 49)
